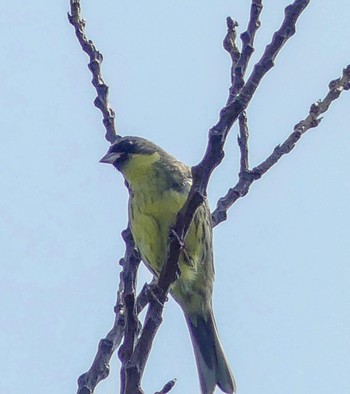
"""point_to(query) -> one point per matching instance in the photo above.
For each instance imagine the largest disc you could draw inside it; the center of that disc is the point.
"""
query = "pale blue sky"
(282, 259)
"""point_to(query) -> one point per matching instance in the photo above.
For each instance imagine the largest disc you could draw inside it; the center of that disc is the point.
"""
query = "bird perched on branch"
(158, 187)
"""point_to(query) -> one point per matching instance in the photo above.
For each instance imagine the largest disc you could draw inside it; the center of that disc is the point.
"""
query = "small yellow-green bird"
(158, 187)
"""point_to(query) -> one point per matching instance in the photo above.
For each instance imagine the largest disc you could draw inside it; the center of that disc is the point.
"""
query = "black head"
(122, 150)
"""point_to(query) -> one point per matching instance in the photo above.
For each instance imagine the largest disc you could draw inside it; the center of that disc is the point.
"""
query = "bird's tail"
(212, 366)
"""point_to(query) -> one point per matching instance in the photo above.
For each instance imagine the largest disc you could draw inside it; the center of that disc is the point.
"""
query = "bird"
(158, 186)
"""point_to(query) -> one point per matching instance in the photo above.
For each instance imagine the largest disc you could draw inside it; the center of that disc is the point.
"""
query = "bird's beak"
(110, 158)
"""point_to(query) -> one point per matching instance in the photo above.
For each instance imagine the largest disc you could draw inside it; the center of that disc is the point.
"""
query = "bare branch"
(143, 298)
(248, 36)
(126, 311)
(336, 87)
(135, 368)
(101, 101)
(312, 120)
(237, 103)
(230, 112)
(167, 387)
(229, 44)
(243, 142)
(132, 325)
(239, 66)
(99, 369)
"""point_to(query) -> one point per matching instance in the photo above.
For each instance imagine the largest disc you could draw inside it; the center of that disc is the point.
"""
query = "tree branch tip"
(167, 387)
(230, 38)
(346, 70)
(231, 24)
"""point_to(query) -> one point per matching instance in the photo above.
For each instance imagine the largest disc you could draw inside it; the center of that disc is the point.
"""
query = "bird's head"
(133, 155)
(146, 165)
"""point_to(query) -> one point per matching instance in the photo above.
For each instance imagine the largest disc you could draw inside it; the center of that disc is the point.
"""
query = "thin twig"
(126, 314)
(101, 101)
(231, 111)
(248, 36)
(99, 369)
(229, 44)
(130, 267)
(247, 47)
(167, 387)
(243, 142)
(142, 298)
(239, 66)
(312, 120)
(237, 103)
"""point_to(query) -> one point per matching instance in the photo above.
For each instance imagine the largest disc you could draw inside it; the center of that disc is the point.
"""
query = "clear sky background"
(282, 259)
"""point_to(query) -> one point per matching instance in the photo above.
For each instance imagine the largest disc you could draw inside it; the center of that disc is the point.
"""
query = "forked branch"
(313, 119)
(137, 344)
(96, 58)
(201, 174)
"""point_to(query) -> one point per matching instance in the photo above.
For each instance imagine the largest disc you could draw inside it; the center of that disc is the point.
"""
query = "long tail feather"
(212, 366)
